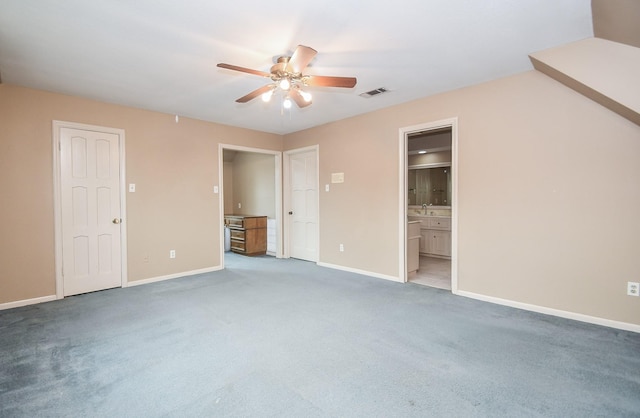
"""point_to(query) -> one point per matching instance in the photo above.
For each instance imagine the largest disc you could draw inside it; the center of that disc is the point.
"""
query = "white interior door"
(303, 214)
(90, 209)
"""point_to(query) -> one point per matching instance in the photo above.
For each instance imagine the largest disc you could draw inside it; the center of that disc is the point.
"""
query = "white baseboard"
(172, 276)
(555, 312)
(358, 271)
(19, 303)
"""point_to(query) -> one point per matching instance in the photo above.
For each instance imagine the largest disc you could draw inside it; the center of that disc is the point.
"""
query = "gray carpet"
(286, 338)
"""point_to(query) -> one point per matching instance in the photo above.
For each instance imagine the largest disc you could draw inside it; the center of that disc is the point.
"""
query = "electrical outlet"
(239, 205)
(633, 288)
(341, 248)
(172, 253)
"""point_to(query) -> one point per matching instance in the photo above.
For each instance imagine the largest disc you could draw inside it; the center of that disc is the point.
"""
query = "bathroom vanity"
(413, 246)
(435, 233)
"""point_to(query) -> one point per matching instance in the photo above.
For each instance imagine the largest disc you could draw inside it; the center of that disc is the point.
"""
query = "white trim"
(25, 302)
(278, 191)
(358, 271)
(403, 201)
(56, 126)
(287, 195)
(554, 312)
(174, 276)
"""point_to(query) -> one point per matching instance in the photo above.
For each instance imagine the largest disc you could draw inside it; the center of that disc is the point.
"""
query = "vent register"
(374, 92)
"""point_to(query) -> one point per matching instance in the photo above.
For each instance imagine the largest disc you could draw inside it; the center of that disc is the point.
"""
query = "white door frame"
(404, 198)
(278, 183)
(57, 198)
(287, 195)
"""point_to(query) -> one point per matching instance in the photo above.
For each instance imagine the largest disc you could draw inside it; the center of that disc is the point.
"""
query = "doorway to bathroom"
(429, 204)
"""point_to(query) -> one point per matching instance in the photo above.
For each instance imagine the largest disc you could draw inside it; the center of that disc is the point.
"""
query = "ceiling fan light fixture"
(266, 97)
(286, 103)
(306, 96)
(285, 84)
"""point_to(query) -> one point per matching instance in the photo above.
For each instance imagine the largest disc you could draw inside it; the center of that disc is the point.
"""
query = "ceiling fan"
(286, 74)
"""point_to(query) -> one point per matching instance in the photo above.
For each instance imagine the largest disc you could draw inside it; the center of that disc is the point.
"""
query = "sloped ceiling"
(603, 70)
(162, 55)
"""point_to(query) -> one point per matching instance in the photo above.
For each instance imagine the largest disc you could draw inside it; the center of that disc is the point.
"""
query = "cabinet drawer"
(439, 223)
(238, 246)
(238, 222)
(237, 234)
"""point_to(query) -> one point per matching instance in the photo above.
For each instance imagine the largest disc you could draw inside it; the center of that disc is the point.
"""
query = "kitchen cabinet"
(248, 234)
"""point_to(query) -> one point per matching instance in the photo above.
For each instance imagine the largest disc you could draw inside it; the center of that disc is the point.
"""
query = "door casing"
(278, 191)
(57, 200)
(403, 198)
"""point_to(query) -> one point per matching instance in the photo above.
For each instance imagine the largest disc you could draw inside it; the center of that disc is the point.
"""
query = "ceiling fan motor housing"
(279, 71)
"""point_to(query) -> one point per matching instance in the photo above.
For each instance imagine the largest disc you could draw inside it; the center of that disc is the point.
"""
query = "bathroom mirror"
(430, 185)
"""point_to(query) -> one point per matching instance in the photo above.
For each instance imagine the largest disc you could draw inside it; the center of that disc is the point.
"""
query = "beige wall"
(617, 20)
(253, 184)
(174, 167)
(548, 193)
(562, 233)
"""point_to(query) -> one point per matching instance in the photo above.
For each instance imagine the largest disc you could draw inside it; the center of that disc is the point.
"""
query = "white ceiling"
(161, 54)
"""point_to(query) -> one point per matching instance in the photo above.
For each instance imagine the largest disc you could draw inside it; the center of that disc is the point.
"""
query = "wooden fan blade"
(301, 57)
(297, 97)
(254, 94)
(328, 81)
(244, 70)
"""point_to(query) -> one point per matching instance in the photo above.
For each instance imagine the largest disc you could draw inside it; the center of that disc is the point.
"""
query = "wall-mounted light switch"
(326, 187)
(215, 189)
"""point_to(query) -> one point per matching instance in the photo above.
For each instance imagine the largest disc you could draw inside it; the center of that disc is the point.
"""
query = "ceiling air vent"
(374, 92)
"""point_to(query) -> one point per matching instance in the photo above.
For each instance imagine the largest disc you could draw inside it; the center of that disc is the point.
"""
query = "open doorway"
(250, 181)
(429, 204)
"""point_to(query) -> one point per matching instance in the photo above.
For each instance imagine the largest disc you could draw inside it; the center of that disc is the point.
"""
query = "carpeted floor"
(286, 338)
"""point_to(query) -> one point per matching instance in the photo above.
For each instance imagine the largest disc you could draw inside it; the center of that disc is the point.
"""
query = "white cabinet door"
(424, 240)
(440, 242)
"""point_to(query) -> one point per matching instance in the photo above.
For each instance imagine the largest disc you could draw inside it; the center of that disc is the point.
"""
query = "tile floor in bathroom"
(434, 272)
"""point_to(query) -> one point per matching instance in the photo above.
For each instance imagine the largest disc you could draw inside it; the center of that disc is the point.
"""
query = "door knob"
(116, 220)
